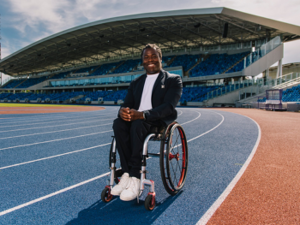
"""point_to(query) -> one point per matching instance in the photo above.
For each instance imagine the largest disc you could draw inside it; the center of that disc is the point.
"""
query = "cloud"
(8, 46)
(34, 13)
(36, 19)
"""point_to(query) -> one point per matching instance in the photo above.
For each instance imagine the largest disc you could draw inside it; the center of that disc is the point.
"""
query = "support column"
(241, 81)
(279, 69)
(267, 73)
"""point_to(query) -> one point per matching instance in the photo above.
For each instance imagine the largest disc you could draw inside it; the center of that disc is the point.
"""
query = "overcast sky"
(26, 21)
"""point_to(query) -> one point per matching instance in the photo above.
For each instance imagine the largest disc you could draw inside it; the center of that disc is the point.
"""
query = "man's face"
(151, 61)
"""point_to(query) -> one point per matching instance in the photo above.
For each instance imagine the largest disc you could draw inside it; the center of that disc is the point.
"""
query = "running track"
(54, 166)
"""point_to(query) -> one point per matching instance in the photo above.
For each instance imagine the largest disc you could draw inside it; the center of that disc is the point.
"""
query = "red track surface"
(269, 190)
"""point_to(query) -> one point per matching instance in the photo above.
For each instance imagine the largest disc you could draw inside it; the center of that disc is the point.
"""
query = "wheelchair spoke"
(175, 160)
(173, 171)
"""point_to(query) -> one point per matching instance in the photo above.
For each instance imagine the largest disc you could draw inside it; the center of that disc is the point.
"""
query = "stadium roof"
(127, 35)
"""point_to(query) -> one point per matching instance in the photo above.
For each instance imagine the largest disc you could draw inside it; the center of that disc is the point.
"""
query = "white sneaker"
(124, 182)
(133, 190)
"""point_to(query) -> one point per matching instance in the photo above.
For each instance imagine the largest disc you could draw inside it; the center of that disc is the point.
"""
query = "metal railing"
(262, 51)
(260, 84)
(286, 80)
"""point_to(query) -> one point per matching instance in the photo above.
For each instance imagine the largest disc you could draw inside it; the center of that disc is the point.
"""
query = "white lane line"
(51, 157)
(206, 217)
(194, 138)
(61, 139)
(49, 121)
(32, 128)
(180, 112)
(208, 130)
(50, 132)
(21, 119)
(51, 195)
(193, 119)
(79, 184)
(69, 152)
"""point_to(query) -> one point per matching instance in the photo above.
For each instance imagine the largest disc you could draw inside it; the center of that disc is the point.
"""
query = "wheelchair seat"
(160, 131)
(157, 130)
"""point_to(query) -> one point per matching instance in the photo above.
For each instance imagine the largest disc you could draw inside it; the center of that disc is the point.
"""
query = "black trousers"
(130, 138)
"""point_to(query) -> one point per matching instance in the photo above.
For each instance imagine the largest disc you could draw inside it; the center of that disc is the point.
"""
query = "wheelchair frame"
(166, 155)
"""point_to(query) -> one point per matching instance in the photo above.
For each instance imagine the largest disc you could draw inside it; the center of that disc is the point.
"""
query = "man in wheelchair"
(151, 101)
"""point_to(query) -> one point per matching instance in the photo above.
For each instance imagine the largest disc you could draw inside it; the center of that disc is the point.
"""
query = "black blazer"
(166, 93)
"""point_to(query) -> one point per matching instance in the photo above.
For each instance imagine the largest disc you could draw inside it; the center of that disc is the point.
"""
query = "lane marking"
(179, 113)
(36, 160)
(204, 132)
(50, 121)
(54, 156)
(25, 135)
(61, 139)
(209, 213)
(55, 116)
(84, 182)
(41, 119)
(209, 130)
(193, 119)
(32, 128)
(51, 195)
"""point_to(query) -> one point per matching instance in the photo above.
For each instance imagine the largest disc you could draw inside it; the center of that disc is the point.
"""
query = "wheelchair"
(173, 157)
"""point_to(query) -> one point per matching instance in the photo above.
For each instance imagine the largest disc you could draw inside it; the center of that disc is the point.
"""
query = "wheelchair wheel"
(118, 170)
(174, 159)
(150, 202)
(105, 195)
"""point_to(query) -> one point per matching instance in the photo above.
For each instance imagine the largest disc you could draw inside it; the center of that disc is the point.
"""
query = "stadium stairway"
(73, 99)
(232, 66)
(91, 71)
(227, 95)
(20, 83)
(171, 60)
(120, 64)
(50, 76)
(199, 61)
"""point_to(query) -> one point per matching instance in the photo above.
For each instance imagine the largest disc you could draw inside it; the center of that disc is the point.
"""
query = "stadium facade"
(214, 50)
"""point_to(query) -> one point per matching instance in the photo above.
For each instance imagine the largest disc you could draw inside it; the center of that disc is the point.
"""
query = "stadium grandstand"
(216, 51)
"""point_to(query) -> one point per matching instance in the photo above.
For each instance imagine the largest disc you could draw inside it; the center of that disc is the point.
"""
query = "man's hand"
(130, 114)
(136, 115)
(125, 114)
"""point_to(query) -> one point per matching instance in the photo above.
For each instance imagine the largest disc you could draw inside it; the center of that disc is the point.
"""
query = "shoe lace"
(123, 181)
(135, 185)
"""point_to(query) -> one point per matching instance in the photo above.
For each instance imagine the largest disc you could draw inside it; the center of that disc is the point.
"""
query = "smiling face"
(151, 61)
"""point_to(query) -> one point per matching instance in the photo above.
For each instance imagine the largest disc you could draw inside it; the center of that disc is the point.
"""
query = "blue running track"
(53, 168)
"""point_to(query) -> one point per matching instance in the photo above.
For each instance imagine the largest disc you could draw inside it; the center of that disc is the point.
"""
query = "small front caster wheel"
(105, 195)
(150, 202)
